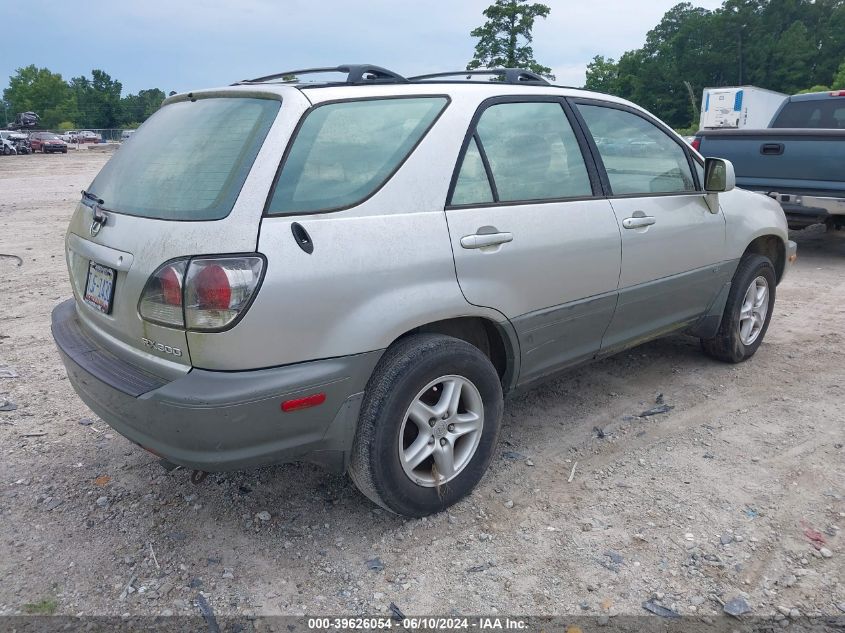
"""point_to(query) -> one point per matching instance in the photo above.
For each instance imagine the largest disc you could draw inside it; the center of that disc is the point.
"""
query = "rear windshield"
(345, 151)
(188, 161)
(819, 113)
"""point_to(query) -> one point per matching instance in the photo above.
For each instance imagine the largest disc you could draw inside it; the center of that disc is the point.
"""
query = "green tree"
(141, 106)
(839, 78)
(819, 88)
(38, 90)
(504, 40)
(792, 57)
(98, 100)
(603, 75)
(782, 45)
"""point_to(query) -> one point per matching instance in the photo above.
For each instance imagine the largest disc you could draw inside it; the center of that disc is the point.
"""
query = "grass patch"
(42, 607)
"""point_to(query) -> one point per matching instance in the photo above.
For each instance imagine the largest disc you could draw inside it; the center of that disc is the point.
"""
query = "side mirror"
(719, 175)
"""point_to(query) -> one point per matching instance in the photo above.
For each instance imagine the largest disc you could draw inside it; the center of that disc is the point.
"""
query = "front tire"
(428, 425)
(748, 311)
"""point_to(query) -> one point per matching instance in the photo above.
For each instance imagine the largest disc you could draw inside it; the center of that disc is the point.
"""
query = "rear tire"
(748, 311)
(404, 440)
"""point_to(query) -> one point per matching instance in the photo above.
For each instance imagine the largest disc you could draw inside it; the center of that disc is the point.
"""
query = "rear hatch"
(192, 181)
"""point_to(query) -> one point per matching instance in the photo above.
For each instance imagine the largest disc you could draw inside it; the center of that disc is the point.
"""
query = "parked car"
(21, 142)
(47, 142)
(71, 136)
(426, 248)
(87, 136)
(798, 160)
(126, 135)
(25, 120)
(17, 140)
(7, 147)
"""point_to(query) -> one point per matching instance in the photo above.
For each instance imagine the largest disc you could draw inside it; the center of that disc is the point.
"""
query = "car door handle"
(771, 149)
(480, 240)
(638, 222)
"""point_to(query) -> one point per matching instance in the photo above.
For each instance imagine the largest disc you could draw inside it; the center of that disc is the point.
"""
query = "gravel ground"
(737, 492)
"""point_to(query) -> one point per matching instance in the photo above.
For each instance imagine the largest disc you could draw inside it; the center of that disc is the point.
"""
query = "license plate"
(99, 288)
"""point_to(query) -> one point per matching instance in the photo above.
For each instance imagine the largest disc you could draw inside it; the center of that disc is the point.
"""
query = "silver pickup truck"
(799, 160)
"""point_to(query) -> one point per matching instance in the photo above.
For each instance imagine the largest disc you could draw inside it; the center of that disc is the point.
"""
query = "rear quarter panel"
(378, 269)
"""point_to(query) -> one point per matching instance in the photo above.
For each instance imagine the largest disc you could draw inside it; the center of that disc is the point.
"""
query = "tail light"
(161, 301)
(205, 294)
(696, 143)
(218, 289)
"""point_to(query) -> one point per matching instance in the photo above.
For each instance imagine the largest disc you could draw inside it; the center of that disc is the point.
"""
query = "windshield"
(188, 161)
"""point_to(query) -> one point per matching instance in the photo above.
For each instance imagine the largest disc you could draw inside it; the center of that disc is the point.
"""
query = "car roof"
(321, 93)
(477, 90)
(370, 81)
(816, 96)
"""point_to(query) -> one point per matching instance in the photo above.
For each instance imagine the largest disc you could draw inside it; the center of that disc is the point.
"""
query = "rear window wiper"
(90, 196)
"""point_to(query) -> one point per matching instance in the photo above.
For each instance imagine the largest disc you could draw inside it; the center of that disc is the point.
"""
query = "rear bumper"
(218, 421)
(803, 210)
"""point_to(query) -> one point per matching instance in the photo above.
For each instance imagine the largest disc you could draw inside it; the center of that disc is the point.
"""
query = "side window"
(699, 170)
(639, 157)
(473, 186)
(344, 151)
(532, 152)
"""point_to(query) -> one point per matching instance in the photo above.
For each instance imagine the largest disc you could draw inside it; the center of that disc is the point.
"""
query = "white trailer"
(738, 107)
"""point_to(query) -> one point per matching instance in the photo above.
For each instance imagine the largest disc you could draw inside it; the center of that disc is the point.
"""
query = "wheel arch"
(496, 340)
(770, 246)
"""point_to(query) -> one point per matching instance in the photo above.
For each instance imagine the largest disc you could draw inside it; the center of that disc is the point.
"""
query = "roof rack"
(355, 74)
(507, 75)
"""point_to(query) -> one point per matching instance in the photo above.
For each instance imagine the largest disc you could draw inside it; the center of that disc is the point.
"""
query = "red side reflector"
(696, 143)
(303, 403)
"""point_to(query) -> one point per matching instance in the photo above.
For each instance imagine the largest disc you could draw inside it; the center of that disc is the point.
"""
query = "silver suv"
(355, 271)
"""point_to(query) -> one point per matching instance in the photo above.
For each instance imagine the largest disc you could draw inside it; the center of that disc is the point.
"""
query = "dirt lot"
(731, 494)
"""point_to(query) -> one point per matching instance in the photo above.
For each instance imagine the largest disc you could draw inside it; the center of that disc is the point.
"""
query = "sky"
(188, 44)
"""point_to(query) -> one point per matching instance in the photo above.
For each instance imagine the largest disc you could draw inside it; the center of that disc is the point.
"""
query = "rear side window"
(532, 152)
(818, 113)
(188, 161)
(346, 151)
(639, 157)
(473, 185)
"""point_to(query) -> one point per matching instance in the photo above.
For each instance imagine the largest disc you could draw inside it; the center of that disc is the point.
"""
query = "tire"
(735, 341)
(407, 374)
(64, 151)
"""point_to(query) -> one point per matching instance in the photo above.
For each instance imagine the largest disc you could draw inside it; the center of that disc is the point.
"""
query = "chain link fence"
(81, 137)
